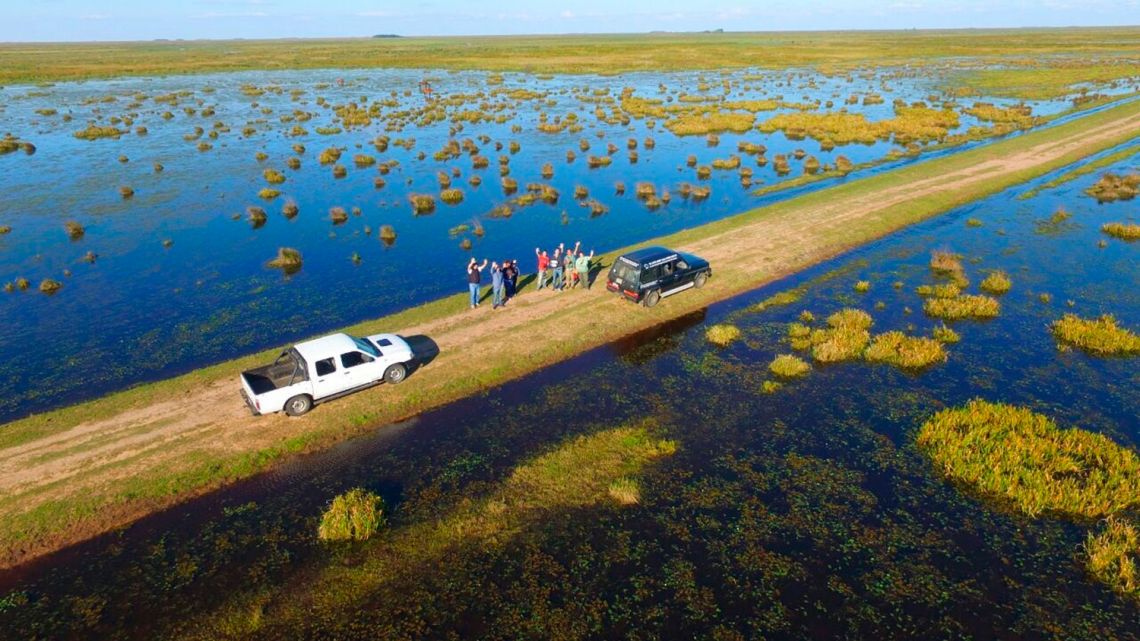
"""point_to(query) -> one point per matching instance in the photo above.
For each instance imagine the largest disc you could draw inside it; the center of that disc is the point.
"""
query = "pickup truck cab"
(324, 369)
(647, 275)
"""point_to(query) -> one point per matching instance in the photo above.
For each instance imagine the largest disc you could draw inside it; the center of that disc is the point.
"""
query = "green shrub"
(353, 516)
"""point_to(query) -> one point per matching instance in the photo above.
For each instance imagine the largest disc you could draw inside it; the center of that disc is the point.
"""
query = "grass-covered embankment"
(88, 468)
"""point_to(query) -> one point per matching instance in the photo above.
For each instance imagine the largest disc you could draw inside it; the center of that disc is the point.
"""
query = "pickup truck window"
(352, 359)
(325, 367)
(365, 346)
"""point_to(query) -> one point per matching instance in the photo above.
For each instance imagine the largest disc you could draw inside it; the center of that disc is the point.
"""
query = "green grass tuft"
(1123, 231)
(789, 366)
(996, 283)
(1114, 556)
(353, 516)
(722, 334)
(961, 307)
(906, 352)
(625, 491)
(1100, 336)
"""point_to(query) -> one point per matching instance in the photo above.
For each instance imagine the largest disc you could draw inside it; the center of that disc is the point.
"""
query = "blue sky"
(57, 20)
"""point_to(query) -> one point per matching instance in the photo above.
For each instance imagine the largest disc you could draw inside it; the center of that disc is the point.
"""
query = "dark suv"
(647, 275)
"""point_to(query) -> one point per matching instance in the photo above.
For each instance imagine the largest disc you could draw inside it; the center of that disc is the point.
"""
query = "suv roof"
(648, 254)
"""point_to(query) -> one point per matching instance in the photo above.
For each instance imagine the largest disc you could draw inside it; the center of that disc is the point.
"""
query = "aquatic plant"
(789, 366)
(451, 196)
(287, 259)
(996, 283)
(49, 286)
(863, 286)
(329, 156)
(944, 334)
(1114, 556)
(290, 210)
(204, 146)
(273, 177)
(1124, 231)
(510, 185)
(126, 192)
(1023, 457)
(266, 193)
(465, 244)
(811, 165)
(339, 171)
(771, 387)
(973, 222)
(625, 490)
(844, 339)
(256, 215)
(580, 192)
(961, 307)
(5, 229)
(94, 132)
(945, 262)
(387, 234)
(907, 352)
(1100, 336)
(806, 316)
(732, 162)
(722, 334)
(941, 290)
(710, 123)
(1112, 187)
(355, 515)
(338, 215)
(1056, 223)
(594, 162)
(704, 172)
(422, 203)
(75, 231)
(158, 168)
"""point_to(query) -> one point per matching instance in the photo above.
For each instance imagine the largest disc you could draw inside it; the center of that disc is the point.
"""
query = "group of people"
(566, 269)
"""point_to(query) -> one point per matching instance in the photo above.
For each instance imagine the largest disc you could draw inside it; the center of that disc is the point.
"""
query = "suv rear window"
(628, 274)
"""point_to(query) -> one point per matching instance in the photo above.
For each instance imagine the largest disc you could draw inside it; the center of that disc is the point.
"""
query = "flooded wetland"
(930, 436)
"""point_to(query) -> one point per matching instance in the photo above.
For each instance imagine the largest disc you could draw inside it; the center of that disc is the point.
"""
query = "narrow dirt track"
(91, 457)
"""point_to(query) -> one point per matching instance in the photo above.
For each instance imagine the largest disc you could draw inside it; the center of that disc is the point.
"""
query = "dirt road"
(100, 464)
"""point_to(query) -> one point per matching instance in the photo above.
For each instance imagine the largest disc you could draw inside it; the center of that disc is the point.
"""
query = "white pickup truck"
(324, 369)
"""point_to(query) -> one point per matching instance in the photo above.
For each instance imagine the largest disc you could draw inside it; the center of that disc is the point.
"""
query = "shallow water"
(806, 513)
(145, 312)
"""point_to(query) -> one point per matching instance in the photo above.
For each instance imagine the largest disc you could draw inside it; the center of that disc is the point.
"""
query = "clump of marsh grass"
(941, 290)
(387, 235)
(256, 215)
(1101, 336)
(1056, 223)
(338, 215)
(49, 286)
(973, 222)
(949, 264)
(267, 193)
(1023, 457)
(290, 210)
(789, 366)
(771, 387)
(422, 204)
(273, 177)
(5, 229)
(996, 283)
(722, 334)
(961, 307)
(844, 339)
(625, 491)
(510, 185)
(288, 260)
(800, 335)
(90, 257)
(355, 515)
(451, 196)
(593, 162)
(126, 192)
(863, 286)
(1114, 556)
(1123, 231)
(1112, 187)
(339, 171)
(75, 231)
(906, 352)
(944, 334)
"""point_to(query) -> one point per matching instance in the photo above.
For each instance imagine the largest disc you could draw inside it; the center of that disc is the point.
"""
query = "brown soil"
(91, 457)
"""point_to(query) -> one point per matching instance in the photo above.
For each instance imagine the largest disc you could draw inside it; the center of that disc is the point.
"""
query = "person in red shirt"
(543, 263)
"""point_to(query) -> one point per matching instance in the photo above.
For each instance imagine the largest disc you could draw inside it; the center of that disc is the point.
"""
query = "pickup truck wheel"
(395, 373)
(652, 298)
(700, 280)
(298, 405)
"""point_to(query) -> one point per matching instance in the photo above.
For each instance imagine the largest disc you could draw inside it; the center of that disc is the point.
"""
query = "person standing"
(543, 263)
(474, 272)
(582, 265)
(568, 267)
(556, 268)
(496, 285)
(510, 278)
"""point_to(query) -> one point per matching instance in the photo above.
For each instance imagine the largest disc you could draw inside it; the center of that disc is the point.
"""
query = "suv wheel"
(700, 280)
(298, 405)
(395, 373)
(652, 298)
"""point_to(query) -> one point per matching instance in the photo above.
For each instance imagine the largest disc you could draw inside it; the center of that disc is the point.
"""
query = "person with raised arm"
(474, 271)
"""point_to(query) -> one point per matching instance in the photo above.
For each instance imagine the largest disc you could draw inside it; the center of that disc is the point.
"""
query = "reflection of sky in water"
(143, 311)
(804, 512)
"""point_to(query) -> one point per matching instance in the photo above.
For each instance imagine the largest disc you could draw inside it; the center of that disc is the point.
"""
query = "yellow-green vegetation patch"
(844, 339)
(1019, 455)
(863, 286)
(1114, 556)
(1124, 231)
(907, 352)
(771, 387)
(625, 490)
(944, 334)
(287, 258)
(1112, 187)
(722, 334)
(353, 516)
(962, 307)
(997, 283)
(800, 335)
(704, 123)
(941, 290)
(789, 366)
(1100, 336)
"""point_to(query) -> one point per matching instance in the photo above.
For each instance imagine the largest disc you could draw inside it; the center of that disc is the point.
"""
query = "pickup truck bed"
(281, 373)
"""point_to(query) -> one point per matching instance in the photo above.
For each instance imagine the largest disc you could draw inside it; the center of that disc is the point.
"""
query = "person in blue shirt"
(496, 286)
